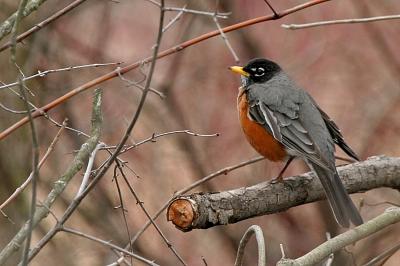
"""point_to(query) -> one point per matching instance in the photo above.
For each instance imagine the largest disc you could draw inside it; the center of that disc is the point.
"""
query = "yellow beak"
(239, 70)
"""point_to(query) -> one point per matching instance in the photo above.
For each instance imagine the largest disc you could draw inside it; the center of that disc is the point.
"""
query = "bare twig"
(140, 203)
(175, 19)
(389, 217)
(270, 7)
(6, 26)
(384, 255)
(108, 244)
(162, 54)
(45, 22)
(254, 229)
(121, 203)
(75, 203)
(156, 136)
(50, 71)
(35, 145)
(28, 180)
(89, 167)
(339, 21)
(223, 171)
(223, 35)
(137, 84)
(5, 108)
(61, 183)
(190, 11)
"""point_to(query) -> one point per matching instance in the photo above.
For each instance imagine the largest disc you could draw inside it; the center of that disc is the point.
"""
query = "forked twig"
(162, 54)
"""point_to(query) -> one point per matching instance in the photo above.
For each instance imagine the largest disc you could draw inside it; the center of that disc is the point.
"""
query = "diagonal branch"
(6, 26)
(204, 210)
(42, 24)
(61, 183)
(162, 54)
(389, 217)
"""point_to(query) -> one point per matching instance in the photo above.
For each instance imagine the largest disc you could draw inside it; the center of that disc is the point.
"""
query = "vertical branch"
(35, 148)
(75, 203)
(61, 183)
(7, 25)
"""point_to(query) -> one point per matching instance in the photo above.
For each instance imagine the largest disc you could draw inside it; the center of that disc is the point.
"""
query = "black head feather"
(261, 70)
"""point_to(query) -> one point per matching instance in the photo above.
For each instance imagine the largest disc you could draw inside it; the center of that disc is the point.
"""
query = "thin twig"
(155, 136)
(45, 22)
(340, 21)
(60, 184)
(75, 203)
(140, 203)
(175, 19)
(108, 244)
(223, 171)
(254, 229)
(192, 11)
(384, 255)
(44, 158)
(42, 74)
(390, 216)
(89, 167)
(5, 108)
(272, 9)
(121, 204)
(6, 26)
(137, 85)
(35, 145)
(223, 35)
(198, 12)
(167, 52)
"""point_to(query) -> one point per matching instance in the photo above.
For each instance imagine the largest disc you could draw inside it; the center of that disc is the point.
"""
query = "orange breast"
(263, 142)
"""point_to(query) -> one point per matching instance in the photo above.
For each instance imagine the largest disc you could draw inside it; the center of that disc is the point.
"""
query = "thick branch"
(204, 210)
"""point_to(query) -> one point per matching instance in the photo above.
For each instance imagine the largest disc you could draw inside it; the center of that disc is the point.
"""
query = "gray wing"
(337, 135)
(281, 116)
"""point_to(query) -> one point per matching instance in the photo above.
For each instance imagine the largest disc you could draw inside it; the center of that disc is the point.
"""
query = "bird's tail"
(342, 206)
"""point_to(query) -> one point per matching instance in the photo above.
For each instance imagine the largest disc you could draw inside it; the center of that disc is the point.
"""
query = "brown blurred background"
(353, 71)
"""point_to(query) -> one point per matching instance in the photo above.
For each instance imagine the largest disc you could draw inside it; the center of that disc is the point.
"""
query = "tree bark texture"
(204, 210)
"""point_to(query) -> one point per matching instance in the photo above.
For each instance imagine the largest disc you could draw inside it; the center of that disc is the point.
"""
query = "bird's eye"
(260, 72)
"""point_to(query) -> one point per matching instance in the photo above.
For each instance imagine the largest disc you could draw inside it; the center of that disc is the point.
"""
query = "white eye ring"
(259, 75)
(261, 69)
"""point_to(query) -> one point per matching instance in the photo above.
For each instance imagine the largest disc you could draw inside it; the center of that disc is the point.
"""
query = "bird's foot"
(278, 179)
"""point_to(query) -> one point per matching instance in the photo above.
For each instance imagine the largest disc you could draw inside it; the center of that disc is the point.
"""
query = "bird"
(282, 121)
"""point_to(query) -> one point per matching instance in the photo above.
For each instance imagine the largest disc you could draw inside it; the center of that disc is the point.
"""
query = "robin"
(281, 121)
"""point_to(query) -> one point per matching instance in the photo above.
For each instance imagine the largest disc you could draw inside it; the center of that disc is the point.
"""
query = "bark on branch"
(204, 210)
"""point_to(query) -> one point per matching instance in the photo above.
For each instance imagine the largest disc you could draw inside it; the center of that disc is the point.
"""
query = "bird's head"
(257, 70)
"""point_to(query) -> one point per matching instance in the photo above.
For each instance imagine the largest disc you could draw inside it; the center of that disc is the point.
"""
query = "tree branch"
(390, 216)
(167, 52)
(59, 185)
(339, 21)
(204, 210)
(43, 23)
(6, 26)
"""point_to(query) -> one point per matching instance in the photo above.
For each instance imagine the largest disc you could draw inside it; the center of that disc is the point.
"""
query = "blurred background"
(353, 72)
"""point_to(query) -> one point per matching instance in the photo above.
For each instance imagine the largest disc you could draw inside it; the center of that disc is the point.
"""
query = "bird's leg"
(279, 178)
